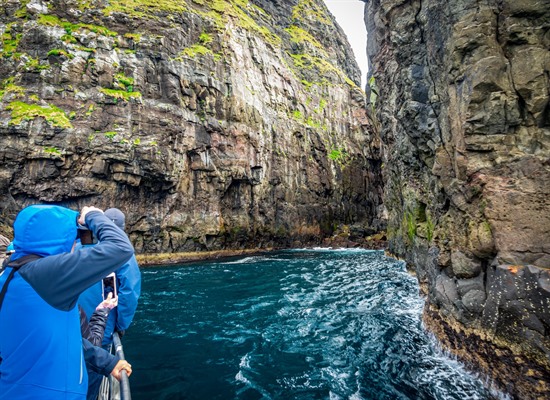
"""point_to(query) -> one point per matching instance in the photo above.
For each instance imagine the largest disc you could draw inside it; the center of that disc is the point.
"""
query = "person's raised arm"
(61, 278)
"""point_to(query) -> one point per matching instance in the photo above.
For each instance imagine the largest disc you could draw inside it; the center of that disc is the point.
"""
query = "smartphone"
(108, 285)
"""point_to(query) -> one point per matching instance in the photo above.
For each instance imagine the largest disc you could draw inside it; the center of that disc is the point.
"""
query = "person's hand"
(110, 302)
(120, 366)
(85, 210)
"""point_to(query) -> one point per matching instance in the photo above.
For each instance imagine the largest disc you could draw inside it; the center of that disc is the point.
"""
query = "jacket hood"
(44, 230)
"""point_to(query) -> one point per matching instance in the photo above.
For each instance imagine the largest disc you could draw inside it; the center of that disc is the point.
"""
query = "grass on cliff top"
(21, 111)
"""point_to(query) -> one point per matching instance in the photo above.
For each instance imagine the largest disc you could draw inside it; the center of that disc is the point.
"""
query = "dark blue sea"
(302, 324)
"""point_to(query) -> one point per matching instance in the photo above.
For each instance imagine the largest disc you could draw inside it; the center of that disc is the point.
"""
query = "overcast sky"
(349, 14)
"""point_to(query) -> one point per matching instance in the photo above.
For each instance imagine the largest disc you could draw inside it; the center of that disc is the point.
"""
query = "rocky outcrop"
(212, 124)
(464, 114)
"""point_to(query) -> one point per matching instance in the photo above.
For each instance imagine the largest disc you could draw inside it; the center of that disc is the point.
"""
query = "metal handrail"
(125, 393)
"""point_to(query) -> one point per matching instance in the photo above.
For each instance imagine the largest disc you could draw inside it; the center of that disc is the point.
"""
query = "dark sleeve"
(60, 279)
(98, 359)
(84, 326)
(97, 324)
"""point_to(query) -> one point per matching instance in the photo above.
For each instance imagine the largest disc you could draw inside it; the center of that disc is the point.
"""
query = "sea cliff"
(211, 124)
(461, 95)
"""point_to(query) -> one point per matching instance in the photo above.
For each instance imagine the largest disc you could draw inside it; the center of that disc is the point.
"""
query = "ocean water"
(302, 324)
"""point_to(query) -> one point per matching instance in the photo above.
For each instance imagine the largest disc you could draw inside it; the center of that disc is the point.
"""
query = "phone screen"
(108, 285)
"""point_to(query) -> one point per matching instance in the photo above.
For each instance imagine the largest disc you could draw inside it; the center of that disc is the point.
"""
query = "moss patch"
(310, 10)
(52, 150)
(410, 226)
(60, 52)
(145, 8)
(340, 156)
(8, 87)
(33, 64)
(136, 37)
(196, 50)
(301, 36)
(10, 41)
(124, 82)
(320, 65)
(120, 94)
(110, 135)
(237, 12)
(52, 20)
(22, 12)
(205, 38)
(21, 111)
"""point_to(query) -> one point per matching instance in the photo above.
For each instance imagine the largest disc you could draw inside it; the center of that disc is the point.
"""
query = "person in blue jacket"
(128, 278)
(41, 346)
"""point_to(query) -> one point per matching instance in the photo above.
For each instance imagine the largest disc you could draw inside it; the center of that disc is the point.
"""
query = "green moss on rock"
(21, 111)
(53, 20)
(120, 94)
(237, 12)
(8, 87)
(145, 8)
(10, 41)
(300, 36)
(310, 10)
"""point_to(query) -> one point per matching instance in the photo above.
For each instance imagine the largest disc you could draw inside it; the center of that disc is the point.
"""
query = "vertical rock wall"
(212, 124)
(464, 116)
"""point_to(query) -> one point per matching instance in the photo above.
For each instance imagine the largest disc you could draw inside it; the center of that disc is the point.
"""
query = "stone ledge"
(508, 370)
(154, 260)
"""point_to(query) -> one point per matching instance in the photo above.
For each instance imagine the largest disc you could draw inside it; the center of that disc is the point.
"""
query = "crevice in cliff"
(522, 105)
(545, 121)
(433, 107)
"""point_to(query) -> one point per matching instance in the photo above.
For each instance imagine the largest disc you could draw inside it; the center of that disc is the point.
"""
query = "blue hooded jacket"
(128, 290)
(40, 340)
(128, 281)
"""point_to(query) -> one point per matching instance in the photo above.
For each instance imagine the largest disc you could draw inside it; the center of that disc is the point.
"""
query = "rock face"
(464, 114)
(212, 124)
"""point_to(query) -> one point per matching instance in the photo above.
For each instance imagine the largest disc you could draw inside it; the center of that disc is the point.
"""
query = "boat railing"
(112, 389)
(124, 381)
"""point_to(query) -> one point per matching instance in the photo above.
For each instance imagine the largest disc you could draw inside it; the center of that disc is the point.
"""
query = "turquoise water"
(308, 324)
